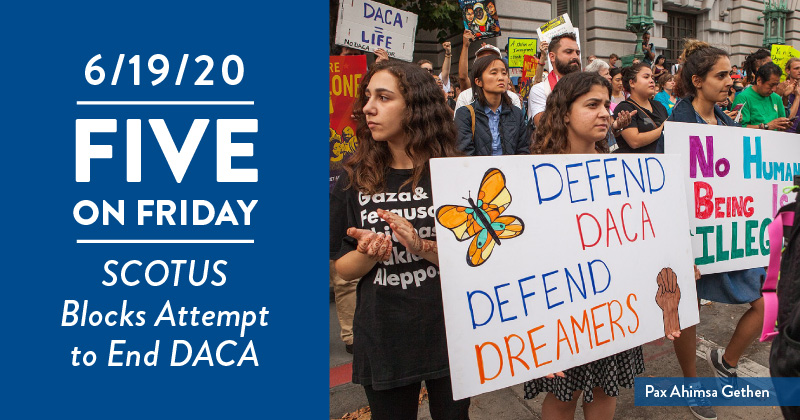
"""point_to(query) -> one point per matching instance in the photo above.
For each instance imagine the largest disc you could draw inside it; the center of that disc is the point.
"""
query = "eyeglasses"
(428, 70)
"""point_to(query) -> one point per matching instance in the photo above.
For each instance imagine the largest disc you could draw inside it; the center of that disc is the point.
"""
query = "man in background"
(648, 50)
(565, 56)
(613, 60)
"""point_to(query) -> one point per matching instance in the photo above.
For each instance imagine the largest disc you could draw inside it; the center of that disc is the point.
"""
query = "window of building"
(679, 27)
(571, 7)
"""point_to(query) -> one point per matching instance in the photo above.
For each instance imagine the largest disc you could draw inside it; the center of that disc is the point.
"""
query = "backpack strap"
(768, 290)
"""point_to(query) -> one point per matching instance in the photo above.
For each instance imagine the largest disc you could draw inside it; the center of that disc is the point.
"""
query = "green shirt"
(759, 109)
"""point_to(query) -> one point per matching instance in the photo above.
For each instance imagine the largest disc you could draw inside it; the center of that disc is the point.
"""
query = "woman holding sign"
(703, 81)
(398, 328)
(576, 120)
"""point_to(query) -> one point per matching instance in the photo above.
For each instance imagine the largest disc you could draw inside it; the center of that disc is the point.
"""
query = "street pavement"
(717, 322)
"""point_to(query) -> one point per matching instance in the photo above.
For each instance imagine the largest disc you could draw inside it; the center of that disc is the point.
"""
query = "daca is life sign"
(549, 262)
(367, 25)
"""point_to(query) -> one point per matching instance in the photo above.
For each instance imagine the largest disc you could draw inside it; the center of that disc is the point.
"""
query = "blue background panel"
(46, 49)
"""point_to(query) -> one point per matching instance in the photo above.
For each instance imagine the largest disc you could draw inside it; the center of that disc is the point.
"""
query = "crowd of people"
(406, 115)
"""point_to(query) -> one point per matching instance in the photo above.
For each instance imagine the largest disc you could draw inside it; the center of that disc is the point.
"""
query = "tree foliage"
(443, 16)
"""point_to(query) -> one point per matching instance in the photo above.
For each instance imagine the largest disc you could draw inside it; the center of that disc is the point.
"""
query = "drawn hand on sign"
(668, 297)
(406, 234)
(376, 246)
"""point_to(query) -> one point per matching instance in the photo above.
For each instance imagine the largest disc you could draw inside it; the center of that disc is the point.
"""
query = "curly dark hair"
(427, 123)
(750, 61)
(550, 136)
(698, 60)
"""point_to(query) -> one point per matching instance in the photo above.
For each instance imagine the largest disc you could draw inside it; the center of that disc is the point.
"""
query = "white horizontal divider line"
(166, 102)
(165, 241)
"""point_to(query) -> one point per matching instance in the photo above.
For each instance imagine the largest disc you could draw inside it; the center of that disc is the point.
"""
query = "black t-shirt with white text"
(398, 327)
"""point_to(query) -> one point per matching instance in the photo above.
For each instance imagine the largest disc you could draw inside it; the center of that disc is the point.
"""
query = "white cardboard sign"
(366, 25)
(734, 186)
(588, 245)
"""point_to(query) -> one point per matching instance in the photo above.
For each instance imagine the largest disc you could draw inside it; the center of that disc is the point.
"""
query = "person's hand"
(732, 114)
(667, 297)
(381, 55)
(406, 234)
(786, 88)
(543, 47)
(560, 374)
(623, 120)
(467, 38)
(780, 123)
(696, 273)
(447, 47)
(376, 246)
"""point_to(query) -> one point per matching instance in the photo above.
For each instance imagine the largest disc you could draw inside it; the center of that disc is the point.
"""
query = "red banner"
(346, 73)
(529, 65)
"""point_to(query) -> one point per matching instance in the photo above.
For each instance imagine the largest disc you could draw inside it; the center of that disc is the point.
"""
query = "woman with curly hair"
(576, 120)
(398, 327)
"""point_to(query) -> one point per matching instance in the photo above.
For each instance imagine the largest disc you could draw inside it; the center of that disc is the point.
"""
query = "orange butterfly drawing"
(482, 219)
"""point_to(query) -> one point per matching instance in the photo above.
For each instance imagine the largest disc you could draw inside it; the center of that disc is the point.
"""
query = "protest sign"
(518, 48)
(529, 65)
(576, 268)
(526, 82)
(555, 27)
(366, 25)
(734, 187)
(781, 54)
(480, 17)
(345, 76)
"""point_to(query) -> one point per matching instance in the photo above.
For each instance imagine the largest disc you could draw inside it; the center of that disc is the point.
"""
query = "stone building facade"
(734, 25)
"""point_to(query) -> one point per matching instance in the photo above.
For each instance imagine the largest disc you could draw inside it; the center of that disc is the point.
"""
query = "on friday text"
(167, 212)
